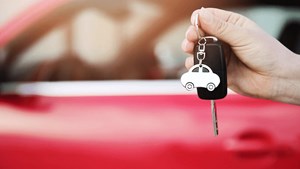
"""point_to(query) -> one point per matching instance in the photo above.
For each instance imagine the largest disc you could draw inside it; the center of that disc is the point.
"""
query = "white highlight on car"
(200, 76)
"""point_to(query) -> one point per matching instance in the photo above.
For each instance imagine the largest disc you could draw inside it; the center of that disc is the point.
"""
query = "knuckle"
(222, 28)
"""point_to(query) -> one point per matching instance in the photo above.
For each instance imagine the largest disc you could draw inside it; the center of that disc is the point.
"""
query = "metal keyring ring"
(203, 56)
(202, 39)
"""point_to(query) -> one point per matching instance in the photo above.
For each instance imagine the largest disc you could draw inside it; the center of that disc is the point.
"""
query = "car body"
(141, 124)
(200, 76)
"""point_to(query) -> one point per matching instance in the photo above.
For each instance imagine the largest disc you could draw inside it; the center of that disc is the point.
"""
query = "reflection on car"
(200, 76)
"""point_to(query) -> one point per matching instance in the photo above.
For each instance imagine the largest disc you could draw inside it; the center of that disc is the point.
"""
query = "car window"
(195, 69)
(88, 35)
(205, 70)
(92, 38)
(39, 52)
(88, 40)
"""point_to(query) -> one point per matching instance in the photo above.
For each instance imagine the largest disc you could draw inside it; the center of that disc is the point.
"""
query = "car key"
(209, 52)
(209, 73)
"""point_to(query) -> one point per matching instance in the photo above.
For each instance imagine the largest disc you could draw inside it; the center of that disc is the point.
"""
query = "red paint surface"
(146, 132)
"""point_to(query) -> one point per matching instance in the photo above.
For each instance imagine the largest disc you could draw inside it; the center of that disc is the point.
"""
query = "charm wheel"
(210, 87)
(189, 86)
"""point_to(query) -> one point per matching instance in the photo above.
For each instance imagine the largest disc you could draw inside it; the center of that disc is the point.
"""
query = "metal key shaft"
(214, 117)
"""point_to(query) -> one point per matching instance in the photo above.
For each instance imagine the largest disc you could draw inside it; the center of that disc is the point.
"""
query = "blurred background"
(59, 40)
(105, 120)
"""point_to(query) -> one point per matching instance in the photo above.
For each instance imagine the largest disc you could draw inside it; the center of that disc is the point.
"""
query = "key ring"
(201, 42)
(200, 59)
(201, 49)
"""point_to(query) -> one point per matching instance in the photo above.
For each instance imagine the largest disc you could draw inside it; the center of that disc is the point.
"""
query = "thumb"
(225, 31)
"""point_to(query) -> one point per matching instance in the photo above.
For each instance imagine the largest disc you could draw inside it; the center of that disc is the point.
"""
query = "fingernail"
(187, 32)
(193, 19)
(190, 29)
(189, 62)
(205, 16)
(184, 45)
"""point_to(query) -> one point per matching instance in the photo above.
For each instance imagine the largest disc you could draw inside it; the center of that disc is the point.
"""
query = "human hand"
(257, 64)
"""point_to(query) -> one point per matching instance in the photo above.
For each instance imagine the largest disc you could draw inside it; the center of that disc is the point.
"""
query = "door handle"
(251, 144)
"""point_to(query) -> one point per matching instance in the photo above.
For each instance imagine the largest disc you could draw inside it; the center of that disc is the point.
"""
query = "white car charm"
(200, 75)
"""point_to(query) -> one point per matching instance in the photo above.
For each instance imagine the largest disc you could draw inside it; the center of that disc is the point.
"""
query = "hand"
(257, 64)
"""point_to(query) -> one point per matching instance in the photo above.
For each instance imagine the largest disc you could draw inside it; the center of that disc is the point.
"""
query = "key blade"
(214, 117)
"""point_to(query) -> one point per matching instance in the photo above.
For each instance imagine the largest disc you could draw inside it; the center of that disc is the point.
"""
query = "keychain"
(209, 73)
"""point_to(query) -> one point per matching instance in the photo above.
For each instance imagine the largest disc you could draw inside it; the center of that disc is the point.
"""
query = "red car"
(124, 123)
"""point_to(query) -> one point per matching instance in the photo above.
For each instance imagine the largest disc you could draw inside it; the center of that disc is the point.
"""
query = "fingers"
(215, 22)
(219, 23)
(187, 46)
(227, 16)
(189, 62)
(225, 25)
(190, 37)
(191, 34)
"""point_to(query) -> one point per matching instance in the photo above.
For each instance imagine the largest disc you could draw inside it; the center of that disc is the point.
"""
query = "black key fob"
(215, 60)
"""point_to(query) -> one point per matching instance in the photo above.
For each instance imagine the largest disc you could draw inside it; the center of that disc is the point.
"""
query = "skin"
(257, 64)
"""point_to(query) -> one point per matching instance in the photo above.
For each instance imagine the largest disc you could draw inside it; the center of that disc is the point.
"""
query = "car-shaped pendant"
(200, 76)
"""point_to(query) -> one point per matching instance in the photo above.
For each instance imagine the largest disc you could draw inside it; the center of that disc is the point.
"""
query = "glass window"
(196, 69)
(94, 35)
(205, 70)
